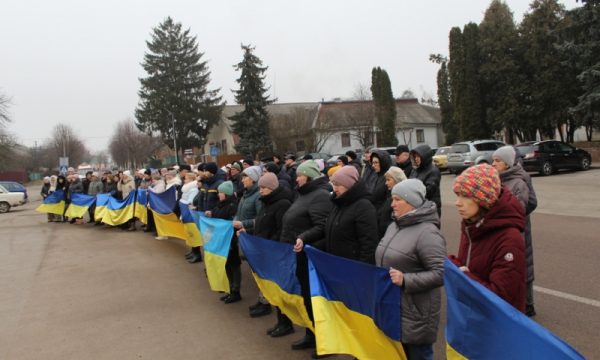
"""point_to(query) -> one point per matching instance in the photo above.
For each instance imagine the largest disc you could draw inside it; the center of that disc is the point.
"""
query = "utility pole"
(174, 137)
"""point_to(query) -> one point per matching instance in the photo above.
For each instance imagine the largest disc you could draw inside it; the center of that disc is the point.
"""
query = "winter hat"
(272, 168)
(185, 167)
(46, 179)
(411, 190)
(507, 154)
(211, 167)
(127, 172)
(332, 170)
(226, 188)
(309, 168)
(236, 165)
(402, 149)
(290, 156)
(95, 173)
(347, 176)
(269, 181)
(396, 174)
(253, 172)
(480, 183)
(307, 157)
(320, 164)
(351, 154)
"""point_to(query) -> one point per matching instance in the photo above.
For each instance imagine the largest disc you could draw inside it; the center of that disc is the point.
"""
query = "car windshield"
(459, 148)
(525, 149)
(442, 151)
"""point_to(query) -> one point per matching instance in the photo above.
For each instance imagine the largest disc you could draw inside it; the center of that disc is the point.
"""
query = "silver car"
(468, 153)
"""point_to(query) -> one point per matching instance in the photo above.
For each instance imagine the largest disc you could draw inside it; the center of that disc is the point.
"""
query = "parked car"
(468, 153)
(332, 161)
(440, 159)
(10, 199)
(322, 156)
(13, 186)
(547, 157)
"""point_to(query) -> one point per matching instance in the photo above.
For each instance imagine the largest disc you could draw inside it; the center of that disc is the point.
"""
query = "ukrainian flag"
(481, 325)
(167, 223)
(79, 205)
(141, 210)
(119, 211)
(101, 204)
(356, 308)
(193, 238)
(274, 269)
(217, 234)
(53, 204)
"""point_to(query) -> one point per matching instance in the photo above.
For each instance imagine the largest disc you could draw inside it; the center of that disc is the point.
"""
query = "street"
(89, 292)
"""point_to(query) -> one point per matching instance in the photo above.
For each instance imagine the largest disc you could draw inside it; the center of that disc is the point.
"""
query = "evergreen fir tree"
(444, 94)
(456, 74)
(252, 123)
(175, 90)
(385, 107)
(474, 124)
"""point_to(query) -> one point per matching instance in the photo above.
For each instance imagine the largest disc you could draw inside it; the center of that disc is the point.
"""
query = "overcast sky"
(78, 62)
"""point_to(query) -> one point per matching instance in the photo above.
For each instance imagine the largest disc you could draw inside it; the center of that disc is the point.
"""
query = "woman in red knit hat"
(492, 250)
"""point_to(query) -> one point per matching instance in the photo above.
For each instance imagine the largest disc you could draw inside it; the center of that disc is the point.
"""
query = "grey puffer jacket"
(515, 179)
(414, 245)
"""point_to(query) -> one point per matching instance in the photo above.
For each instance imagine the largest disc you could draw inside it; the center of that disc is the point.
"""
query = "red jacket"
(497, 255)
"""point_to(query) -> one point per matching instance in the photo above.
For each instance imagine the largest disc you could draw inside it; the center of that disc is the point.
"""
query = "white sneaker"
(161, 238)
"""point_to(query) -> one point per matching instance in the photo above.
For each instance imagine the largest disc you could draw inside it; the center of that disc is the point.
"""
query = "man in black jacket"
(403, 159)
(428, 173)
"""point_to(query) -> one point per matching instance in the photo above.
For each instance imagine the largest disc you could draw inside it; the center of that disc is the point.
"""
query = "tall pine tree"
(456, 74)
(474, 124)
(385, 107)
(252, 123)
(175, 94)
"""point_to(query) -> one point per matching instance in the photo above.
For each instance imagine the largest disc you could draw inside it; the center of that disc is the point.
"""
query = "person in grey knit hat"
(412, 191)
(506, 154)
(253, 172)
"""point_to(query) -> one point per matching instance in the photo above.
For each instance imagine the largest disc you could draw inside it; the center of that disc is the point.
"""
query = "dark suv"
(549, 156)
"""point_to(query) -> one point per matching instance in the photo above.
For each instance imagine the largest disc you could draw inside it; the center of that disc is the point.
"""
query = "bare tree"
(131, 148)
(6, 142)
(64, 142)
(361, 118)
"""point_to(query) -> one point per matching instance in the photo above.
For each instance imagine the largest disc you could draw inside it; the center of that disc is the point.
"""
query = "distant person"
(354, 160)
(492, 249)
(291, 167)
(94, 189)
(403, 159)
(393, 176)
(45, 192)
(381, 162)
(428, 173)
(368, 174)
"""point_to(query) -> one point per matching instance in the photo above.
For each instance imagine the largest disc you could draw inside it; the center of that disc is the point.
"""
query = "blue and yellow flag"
(274, 269)
(53, 204)
(216, 234)
(193, 238)
(141, 202)
(101, 204)
(356, 308)
(481, 325)
(79, 205)
(167, 223)
(119, 211)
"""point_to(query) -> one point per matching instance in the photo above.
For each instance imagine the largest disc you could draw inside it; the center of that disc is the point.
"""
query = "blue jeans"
(418, 352)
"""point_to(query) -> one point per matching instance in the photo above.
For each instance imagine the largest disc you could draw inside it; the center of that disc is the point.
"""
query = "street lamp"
(174, 137)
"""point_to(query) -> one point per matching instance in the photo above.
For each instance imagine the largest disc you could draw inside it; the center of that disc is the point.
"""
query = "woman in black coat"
(304, 223)
(380, 162)
(351, 229)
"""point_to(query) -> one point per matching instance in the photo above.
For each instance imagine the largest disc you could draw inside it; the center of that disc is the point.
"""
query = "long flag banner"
(119, 211)
(53, 203)
(481, 325)
(356, 307)
(193, 238)
(79, 205)
(101, 204)
(274, 269)
(216, 234)
(141, 201)
(167, 223)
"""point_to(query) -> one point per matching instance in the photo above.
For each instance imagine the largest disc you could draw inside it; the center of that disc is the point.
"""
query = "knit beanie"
(226, 188)
(332, 170)
(211, 167)
(507, 154)
(309, 168)
(480, 183)
(412, 191)
(347, 176)
(269, 181)
(236, 165)
(396, 173)
(253, 172)
(272, 167)
(401, 149)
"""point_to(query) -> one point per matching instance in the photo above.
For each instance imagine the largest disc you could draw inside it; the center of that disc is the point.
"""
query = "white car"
(10, 199)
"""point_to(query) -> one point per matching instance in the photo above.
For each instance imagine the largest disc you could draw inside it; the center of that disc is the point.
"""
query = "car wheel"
(547, 168)
(4, 207)
(585, 164)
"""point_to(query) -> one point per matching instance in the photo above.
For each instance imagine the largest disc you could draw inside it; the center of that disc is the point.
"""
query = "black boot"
(262, 310)
(196, 256)
(252, 307)
(307, 342)
(530, 310)
(233, 297)
(282, 330)
(189, 254)
(224, 297)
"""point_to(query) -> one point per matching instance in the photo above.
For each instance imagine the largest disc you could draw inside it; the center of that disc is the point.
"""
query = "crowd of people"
(383, 210)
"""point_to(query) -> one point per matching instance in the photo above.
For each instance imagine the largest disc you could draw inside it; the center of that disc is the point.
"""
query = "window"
(420, 136)
(345, 139)
(300, 145)
(223, 146)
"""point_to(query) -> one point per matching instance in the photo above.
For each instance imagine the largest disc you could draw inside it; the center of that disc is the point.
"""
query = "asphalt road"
(79, 291)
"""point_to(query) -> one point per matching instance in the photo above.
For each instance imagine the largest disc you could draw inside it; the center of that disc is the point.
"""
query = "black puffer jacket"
(379, 190)
(269, 221)
(384, 214)
(351, 229)
(307, 216)
(225, 209)
(429, 174)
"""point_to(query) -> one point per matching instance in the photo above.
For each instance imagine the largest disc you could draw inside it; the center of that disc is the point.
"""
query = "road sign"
(188, 152)
(63, 161)
(214, 151)
(63, 169)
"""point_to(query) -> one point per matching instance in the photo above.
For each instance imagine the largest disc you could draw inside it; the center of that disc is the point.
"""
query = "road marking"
(567, 296)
